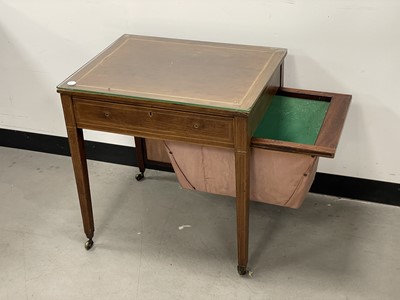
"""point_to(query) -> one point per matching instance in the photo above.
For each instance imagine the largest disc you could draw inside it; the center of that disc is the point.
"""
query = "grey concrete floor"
(330, 248)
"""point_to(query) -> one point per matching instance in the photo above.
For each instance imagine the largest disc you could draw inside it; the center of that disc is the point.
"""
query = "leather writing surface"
(199, 73)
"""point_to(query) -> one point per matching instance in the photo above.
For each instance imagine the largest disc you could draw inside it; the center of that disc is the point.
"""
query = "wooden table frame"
(167, 121)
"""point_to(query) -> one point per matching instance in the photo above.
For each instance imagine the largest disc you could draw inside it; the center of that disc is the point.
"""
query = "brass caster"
(241, 270)
(89, 244)
(139, 176)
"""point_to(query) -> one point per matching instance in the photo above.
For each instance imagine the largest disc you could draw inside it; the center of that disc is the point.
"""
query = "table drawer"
(153, 122)
(301, 121)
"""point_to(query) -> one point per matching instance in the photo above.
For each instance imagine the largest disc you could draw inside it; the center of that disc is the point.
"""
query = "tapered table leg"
(77, 148)
(242, 169)
(140, 153)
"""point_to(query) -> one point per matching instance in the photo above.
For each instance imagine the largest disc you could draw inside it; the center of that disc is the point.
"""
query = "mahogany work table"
(198, 92)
